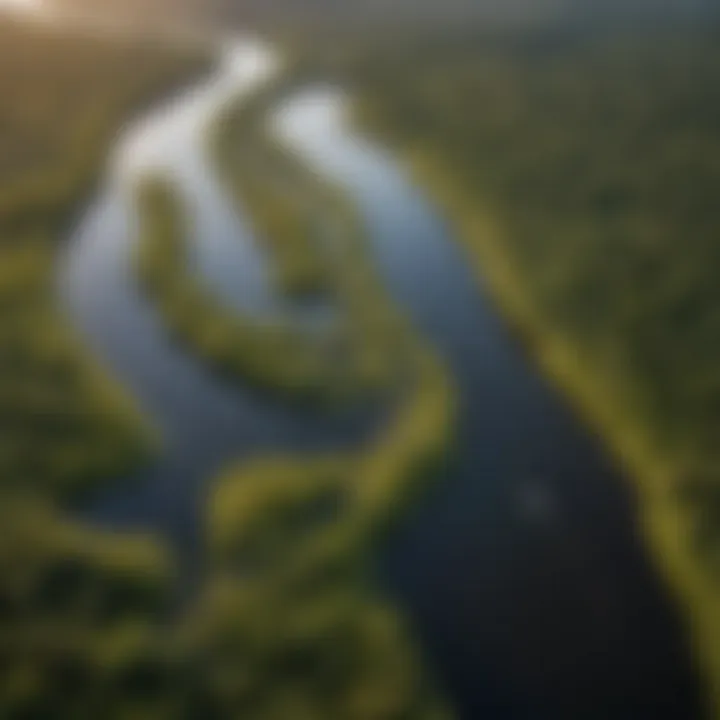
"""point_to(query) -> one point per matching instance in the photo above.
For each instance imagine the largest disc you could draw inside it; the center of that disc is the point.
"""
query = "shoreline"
(662, 525)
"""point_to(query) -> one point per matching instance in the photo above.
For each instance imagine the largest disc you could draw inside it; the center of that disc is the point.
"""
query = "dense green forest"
(582, 171)
(76, 603)
(64, 99)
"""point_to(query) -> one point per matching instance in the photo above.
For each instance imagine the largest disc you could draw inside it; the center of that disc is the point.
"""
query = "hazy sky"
(20, 4)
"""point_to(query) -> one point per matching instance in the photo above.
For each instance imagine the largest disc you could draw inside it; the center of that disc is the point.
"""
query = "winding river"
(521, 571)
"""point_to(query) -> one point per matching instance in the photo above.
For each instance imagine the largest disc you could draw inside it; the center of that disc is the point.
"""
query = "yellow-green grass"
(315, 241)
(290, 614)
(604, 400)
(281, 221)
(276, 356)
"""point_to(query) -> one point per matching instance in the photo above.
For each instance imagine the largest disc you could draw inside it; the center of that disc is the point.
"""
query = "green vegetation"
(266, 179)
(289, 620)
(313, 235)
(319, 366)
(336, 654)
(78, 616)
(256, 351)
(62, 423)
(78, 607)
(583, 175)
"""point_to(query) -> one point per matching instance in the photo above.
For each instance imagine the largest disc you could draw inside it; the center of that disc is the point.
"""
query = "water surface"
(524, 571)
(521, 572)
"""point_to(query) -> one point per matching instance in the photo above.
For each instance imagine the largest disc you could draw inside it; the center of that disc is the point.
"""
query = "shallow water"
(521, 572)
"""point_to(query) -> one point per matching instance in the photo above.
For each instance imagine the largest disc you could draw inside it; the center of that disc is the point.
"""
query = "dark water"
(522, 571)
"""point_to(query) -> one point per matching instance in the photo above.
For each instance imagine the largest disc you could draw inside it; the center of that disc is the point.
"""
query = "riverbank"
(672, 472)
(209, 425)
(270, 355)
(290, 537)
(420, 394)
(668, 527)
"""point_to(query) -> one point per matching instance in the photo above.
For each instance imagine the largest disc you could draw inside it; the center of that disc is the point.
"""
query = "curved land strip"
(312, 233)
(318, 366)
(326, 242)
(271, 356)
(289, 606)
(583, 180)
(290, 617)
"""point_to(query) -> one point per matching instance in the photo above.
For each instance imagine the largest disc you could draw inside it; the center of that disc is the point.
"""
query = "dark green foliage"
(76, 612)
(315, 244)
(278, 356)
(62, 424)
(269, 183)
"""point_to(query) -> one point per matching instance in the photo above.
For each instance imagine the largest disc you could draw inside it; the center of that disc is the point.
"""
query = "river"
(522, 571)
